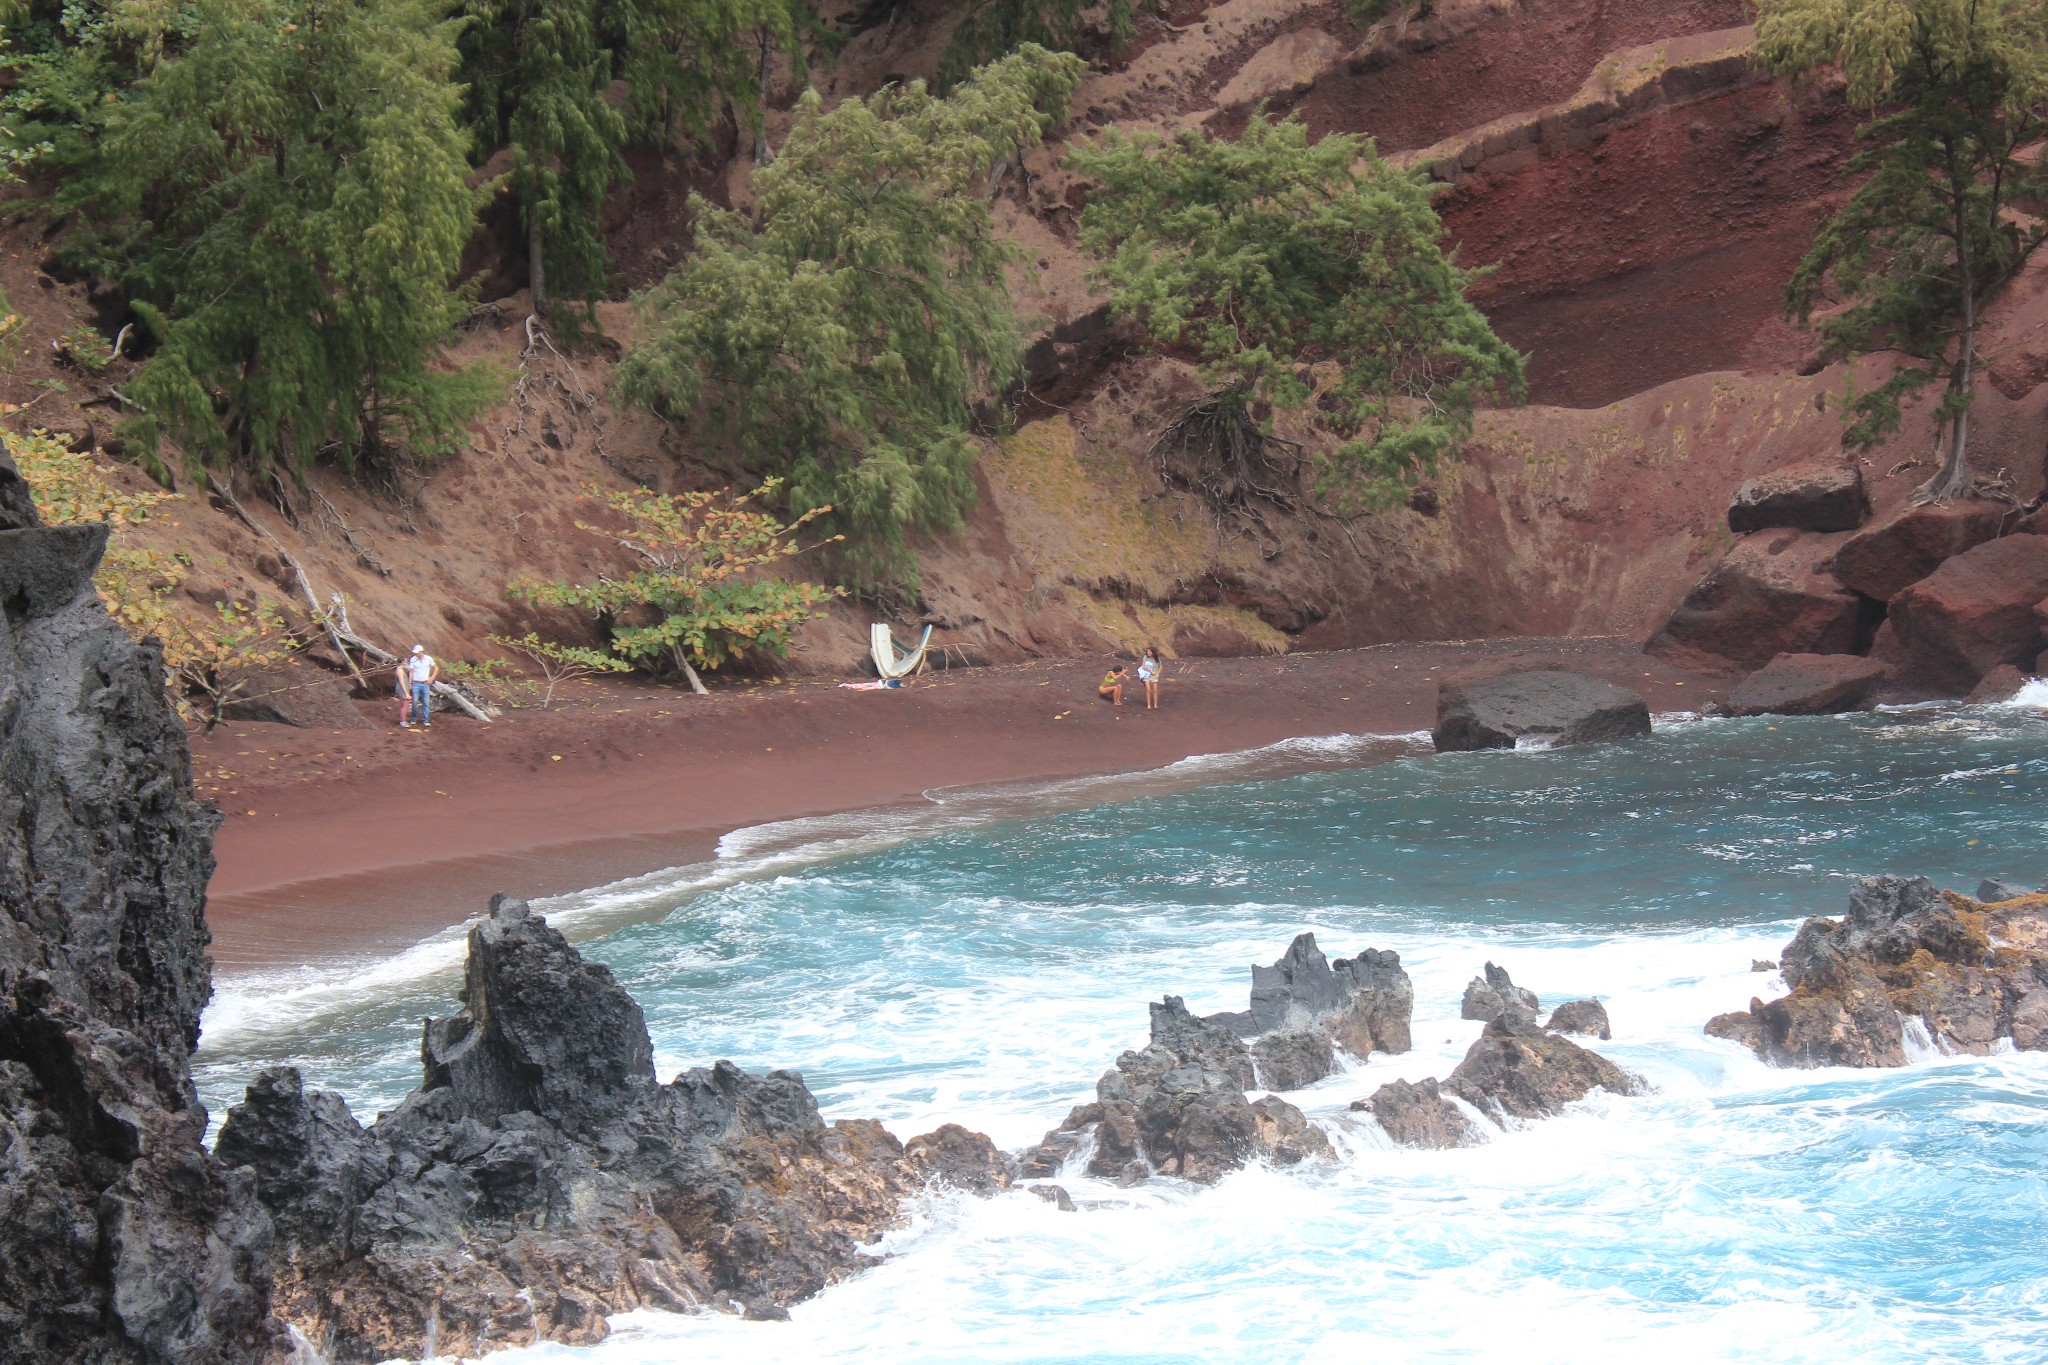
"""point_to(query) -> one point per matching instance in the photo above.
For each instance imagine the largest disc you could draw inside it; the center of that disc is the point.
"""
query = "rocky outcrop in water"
(1492, 991)
(1416, 1114)
(540, 1178)
(1179, 1105)
(121, 1239)
(1518, 1069)
(1807, 685)
(1585, 1017)
(1970, 973)
(1549, 704)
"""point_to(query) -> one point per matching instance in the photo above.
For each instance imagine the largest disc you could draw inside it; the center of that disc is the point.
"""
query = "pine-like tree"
(285, 200)
(1927, 241)
(568, 85)
(1269, 255)
(844, 329)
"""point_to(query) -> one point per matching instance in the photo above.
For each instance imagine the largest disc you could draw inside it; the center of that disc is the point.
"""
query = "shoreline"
(341, 844)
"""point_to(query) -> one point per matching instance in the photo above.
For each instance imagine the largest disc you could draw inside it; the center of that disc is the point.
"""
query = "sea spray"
(986, 975)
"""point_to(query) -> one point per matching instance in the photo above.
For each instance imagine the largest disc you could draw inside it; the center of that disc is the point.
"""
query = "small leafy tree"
(1959, 89)
(845, 328)
(1268, 255)
(560, 663)
(285, 200)
(213, 656)
(695, 598)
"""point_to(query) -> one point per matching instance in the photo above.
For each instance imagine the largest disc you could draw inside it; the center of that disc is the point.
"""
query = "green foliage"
(284, 198)
(539, 75)
(70, 61)
(989, 29)
(1268, 255)
(694, 598)
(84, 348)
(1930, 236)
(844, 329)
(559, 663)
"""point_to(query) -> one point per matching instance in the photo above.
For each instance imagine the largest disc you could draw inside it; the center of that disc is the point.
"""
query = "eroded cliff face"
(121, 1238)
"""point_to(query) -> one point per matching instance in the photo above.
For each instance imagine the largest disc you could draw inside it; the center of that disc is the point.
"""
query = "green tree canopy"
(285, 200)
(988, 29)
(542, 76)
(1958, 87)
(844, 328)
(1267, 255)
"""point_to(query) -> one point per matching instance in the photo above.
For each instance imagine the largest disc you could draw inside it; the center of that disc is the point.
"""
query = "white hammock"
(883, 646)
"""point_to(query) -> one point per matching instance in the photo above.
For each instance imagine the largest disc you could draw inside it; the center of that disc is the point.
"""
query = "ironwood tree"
(1296, 271)
(843, 329)
(1958, 96)
(568, 85)
(283, 197)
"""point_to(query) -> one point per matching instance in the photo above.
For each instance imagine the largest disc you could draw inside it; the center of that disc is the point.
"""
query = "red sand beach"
(343, 841)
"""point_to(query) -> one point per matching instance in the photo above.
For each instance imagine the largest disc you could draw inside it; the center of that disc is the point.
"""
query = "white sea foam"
(270, 1001)
(1736, 1212)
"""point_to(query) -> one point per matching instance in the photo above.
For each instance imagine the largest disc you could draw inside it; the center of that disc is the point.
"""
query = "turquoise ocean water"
(982, 960)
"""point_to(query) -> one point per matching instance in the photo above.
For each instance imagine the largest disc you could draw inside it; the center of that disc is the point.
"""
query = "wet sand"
(348, 842)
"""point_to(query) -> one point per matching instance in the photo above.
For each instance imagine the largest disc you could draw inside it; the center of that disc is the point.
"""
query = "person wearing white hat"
(424, 671)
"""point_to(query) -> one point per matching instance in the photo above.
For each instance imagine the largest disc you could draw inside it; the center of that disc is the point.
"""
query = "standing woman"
(1148, 674)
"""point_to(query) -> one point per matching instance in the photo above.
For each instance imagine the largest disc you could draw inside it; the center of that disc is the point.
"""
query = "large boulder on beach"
(1882, 560)
(1416, 1114)
(1492, 991)
(540, 1178)
(1807, 685)
(1817, 495)
(1547, 704)
(1905, 949)
(123, 1239)
(1974, 613)
(1518, 1069)
(1771, 594)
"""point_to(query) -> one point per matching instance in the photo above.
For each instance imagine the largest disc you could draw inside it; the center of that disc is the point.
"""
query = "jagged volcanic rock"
(1492, 991)
(121, 1238)
(1969, 971)
(1588, 1017)
(1543, 703)
(1362, 1003)
(1178, 1106)
(540, 1178)
(1416, 1114)
(1519, 1070)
